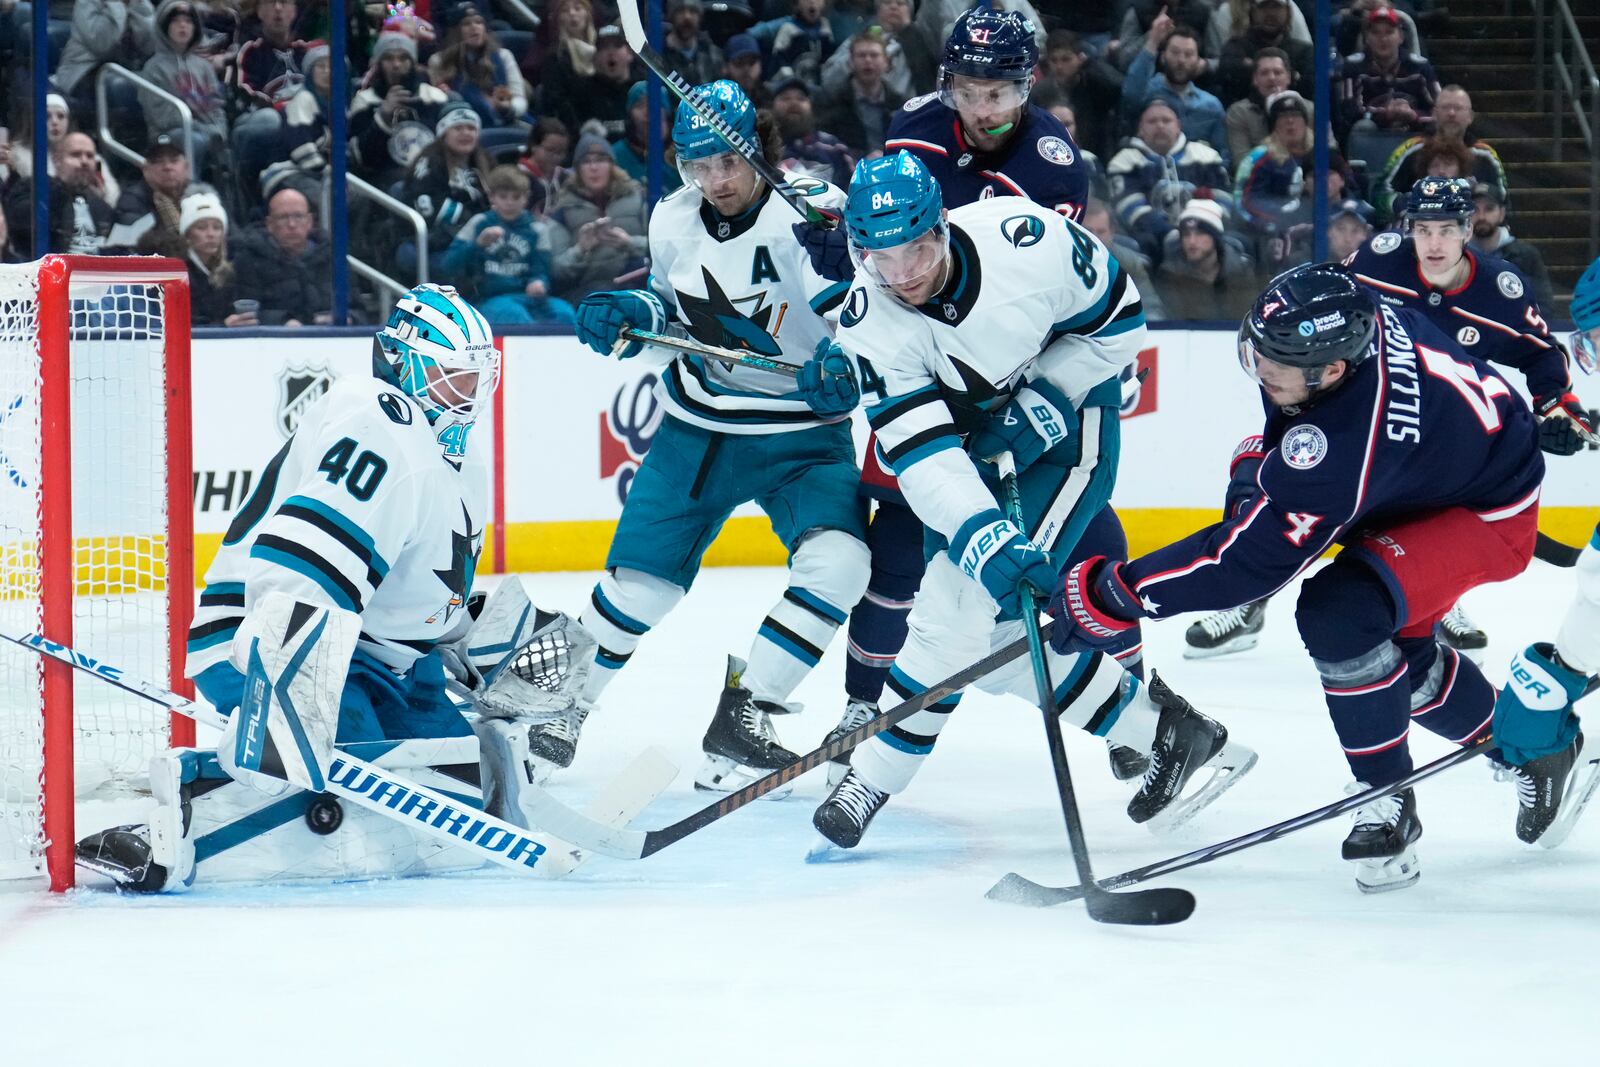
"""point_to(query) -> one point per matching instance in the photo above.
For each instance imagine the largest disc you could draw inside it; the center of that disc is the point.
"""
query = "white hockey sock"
(624, 606)
(890, 760)
(789, 643)
(1093, 692)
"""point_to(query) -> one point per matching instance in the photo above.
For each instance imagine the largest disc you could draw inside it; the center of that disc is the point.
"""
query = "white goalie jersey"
(1032, 296)
(359, 510)
(742, 283)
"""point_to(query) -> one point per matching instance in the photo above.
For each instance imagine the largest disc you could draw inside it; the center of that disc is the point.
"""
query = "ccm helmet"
(894, 219)
(992, 46)
(1439, 199)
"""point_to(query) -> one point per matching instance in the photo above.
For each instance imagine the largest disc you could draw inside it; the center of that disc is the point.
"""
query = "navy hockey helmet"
(994, 46)
(894, 201)
(1440, 199)
(1586, 317)
(1308, 317)
(695, 139)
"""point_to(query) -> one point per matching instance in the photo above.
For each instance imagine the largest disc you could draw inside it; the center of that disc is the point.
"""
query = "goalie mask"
(438, 349)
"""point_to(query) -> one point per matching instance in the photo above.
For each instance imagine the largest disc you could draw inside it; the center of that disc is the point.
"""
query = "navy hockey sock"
(1449, 694)
(878, 622)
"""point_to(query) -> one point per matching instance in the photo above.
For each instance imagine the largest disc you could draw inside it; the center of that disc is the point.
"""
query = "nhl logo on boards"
(1386, 242)
(1468, 335)
(1510, 285)
(1056, 151)
(298, 389)
(1303, 447)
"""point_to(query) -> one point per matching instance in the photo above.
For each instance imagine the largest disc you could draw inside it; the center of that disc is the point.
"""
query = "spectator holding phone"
(393, 116)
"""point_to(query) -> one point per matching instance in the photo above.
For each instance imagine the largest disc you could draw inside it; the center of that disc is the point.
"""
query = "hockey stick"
(633, 30)
(1556, 552)
(629, 844)
(1015, 889)
(358, 781)
(1144, 907)
(683, 344)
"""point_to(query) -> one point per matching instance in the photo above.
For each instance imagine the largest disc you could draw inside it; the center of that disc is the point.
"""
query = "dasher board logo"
(626, 432)
(299, 388)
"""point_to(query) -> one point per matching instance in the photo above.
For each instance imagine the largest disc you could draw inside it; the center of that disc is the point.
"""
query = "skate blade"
(1243, 644)
(1396, 872)
(1581, 787)
(1226, 768)
(824, 851)
(719, 774)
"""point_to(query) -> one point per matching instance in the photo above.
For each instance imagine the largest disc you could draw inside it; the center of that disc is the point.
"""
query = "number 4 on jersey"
(1479, 393)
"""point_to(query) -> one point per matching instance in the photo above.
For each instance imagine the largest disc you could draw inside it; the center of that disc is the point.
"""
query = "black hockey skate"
(1186, 742)
(554, 742)
(1462, 634)
(1542, 785)
(740, 744)
(122, 854)
(1225, 632)
(1127, 764)
(848, 811)
(1380, 842)
(856, 713)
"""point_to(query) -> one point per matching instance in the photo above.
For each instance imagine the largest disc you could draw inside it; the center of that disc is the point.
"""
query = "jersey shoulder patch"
(1386, 242)
(1304, 446)
(916, 102)
(1022, 231)
(1056, 150)
(395, 407)
(855, 307)
(1510, 285)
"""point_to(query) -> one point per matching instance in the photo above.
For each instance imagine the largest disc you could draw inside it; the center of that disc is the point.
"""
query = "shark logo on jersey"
(1023, 230)
(465, 547)
(1510, 285)
(1303, 447)
(855, 309)
(299, 388)
(713, 319)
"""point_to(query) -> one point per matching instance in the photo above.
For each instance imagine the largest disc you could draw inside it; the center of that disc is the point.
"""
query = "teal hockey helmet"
(440, 351)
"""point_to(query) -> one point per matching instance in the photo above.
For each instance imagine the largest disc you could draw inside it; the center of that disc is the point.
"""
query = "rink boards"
(570, 428)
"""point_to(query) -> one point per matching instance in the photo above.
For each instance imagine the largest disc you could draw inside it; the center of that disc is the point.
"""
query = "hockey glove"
(1533, 713)
(1093, 607)
(829, 250)
(601, 317)
(1242, 472)
(994, 553)
(1564, 427)
(1036, 419)
(828, 382)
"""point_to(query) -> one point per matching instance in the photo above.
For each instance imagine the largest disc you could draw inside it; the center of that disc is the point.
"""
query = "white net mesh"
(119, 541)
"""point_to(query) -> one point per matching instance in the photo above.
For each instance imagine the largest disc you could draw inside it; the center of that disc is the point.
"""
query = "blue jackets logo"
(1023, 230)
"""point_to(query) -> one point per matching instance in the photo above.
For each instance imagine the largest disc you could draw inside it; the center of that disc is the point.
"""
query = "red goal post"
(96, 537)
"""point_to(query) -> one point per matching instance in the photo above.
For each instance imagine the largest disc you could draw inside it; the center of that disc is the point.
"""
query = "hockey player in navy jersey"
(727, 270)
(1534, 721)
(1487, 307)
(353, 561)
(1000, 326)
(1383, 436)
(979, 138)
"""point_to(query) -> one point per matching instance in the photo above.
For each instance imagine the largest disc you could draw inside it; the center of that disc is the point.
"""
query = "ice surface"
(728, 948)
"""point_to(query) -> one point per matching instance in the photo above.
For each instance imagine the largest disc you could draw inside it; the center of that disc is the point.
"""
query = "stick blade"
(1015, 889)
(1145, 907)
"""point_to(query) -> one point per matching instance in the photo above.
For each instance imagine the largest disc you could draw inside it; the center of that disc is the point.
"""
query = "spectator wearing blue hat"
(741, 64)
(633, 150)
(687, 48)
(1349, 226)
(806, 149)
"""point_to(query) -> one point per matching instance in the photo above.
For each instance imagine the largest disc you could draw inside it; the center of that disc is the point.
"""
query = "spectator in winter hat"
(1204, 273)
(600, 224)
(1349, 226)
(177, 69)
(632, 152)
(688, 49)
(472, 64)
(393, 116)
(203, 224)
(741, 64)
(446, 181)
(148, 210)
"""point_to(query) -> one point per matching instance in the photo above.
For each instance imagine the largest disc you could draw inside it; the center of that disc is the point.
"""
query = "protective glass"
(972, 94)
(713, 170)
(907, 264)
(1584, 350)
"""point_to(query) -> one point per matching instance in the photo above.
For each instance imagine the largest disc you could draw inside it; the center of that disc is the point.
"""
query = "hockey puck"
(324, 815)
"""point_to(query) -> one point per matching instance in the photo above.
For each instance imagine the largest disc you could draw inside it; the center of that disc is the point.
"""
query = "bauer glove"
(1035, 420)
(994, 553)
(1564, 427)
(1093, 607)
(1533, 713)
(828, 382)
(601, 317)
(828, 248)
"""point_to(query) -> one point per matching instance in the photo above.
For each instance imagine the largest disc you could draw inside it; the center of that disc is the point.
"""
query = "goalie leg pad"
(624, 606)
(295, 657)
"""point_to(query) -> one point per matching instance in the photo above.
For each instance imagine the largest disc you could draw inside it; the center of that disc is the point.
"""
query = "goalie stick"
(1015, 889)
(1142, 907)
(629, 844)
(633, 30)
(683, 344)
(373, 787)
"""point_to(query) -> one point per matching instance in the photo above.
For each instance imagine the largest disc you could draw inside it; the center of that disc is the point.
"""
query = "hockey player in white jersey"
(727, 271)
(1000, 326)
(1534, 721)
(337, 599)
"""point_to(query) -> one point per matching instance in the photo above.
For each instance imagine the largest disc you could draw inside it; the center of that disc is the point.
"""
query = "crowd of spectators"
(524, 145)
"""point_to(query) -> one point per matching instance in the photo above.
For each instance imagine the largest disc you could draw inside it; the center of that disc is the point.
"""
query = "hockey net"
(96, 537)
